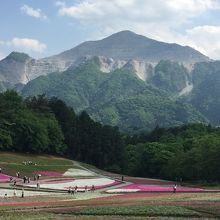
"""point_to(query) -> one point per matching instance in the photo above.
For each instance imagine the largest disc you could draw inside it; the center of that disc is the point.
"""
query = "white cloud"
(139, 10)
(206, 39)
(158, 19)
(36, 13)
(60, 4)
(2, 56)
(27, 45)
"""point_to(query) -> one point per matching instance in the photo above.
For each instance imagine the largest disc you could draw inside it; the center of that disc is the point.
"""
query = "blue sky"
(46, 27)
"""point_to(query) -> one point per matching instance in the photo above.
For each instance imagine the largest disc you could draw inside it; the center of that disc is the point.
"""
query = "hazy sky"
(45, 27)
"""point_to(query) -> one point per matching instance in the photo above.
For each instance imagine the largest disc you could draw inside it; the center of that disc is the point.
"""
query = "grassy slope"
(12, 163)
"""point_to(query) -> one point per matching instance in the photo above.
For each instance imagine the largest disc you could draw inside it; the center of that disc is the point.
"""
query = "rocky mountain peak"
(122, 49)
(17, 56)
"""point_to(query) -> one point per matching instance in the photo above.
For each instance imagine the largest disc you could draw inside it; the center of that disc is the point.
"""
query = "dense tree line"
(189, 152)
(41, 125)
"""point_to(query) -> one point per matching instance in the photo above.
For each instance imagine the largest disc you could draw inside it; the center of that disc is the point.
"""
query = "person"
(6, 195)
(122, 178)
(22, 193)
(93, 188)
(174, 188)
(75, 189)
(15, 182)
(15, 192)
(38, 185)
(69, 190)
(86, 188)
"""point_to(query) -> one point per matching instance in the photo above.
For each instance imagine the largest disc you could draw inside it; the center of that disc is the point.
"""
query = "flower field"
(152, 188)
(135, 198)
(4, 178)
(80, 183)
(78, 172)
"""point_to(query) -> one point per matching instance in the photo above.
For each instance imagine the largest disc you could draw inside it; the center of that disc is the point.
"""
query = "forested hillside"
(40, 125)
(120, 98)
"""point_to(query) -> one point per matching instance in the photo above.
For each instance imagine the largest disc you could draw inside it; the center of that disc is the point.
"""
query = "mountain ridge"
(117, 50)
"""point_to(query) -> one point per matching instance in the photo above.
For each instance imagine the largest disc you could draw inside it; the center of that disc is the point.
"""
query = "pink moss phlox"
(157, 188)
(4, 178)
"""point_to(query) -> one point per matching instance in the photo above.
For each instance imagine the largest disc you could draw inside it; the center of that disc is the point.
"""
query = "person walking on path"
(15, 193)
(72, 191)
(76, 189)
(69, 190)
(174, 188)
(22, 193)
(93, 188)
(38, 185)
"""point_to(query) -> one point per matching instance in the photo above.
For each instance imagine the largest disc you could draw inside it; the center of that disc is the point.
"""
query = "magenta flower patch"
(158, 188)
(4, 178)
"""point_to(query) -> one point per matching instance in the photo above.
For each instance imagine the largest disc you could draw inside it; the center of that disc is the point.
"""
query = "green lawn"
(12, 163)
(40, 160)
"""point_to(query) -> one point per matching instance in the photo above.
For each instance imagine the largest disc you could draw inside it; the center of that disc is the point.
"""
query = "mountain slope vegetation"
(118, 98)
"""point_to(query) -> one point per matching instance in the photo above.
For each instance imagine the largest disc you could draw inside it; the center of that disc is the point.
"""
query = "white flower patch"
(122, 190)
(12, 193)
(78, 172)
(97, 182)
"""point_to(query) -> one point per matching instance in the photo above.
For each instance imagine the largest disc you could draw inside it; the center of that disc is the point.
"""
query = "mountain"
(205, 95)
(13, 68)
(127, 45)
(125, 80)
(123, 49)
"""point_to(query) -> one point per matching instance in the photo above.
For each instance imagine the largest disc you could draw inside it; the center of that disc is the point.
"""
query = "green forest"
(41, 125)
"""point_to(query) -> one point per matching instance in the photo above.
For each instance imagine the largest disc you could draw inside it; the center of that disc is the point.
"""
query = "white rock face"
(140, 67)
(187, 89)
(36, 68)
(108, 64)
(22, 72)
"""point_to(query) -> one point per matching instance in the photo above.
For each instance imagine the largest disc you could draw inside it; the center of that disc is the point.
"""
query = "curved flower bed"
(4, 178)
(80, 183)
(152, 188)
(78, 172)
